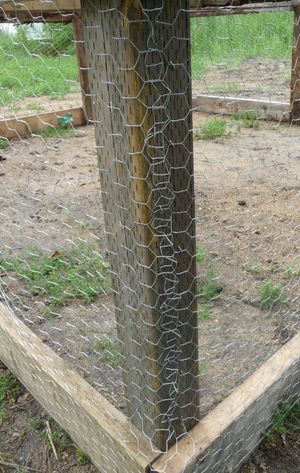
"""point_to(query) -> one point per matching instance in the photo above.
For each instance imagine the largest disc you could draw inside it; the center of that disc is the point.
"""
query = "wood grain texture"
(82, 65)
(37, 10)
(295, 77)
(25, 126)
(139, 66)
(97, 427)
(224, 439)
(266, 110)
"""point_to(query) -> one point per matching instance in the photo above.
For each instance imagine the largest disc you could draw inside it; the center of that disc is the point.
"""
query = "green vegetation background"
(35, 63)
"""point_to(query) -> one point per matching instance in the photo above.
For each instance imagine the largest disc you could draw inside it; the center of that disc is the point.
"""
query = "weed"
(271, 295)
(4, 143)
(106, 347)
(202, 368)
(231, 88)
(210, 289)
(290, 272)
(9, 388)
(59, 436)
(82, 457)
(204, 312)
(34, 106)
(75, 273)
(200, 254)
(286, 419)
(53, 132)
(211, 130)
(249, 119)
(254, 268)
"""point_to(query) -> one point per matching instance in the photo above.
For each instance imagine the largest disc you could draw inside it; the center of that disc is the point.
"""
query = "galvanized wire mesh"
(170, 279)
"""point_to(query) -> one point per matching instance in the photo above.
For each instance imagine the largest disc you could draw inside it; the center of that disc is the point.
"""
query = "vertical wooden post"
(139, 68)
(295, 77)
(82, 65)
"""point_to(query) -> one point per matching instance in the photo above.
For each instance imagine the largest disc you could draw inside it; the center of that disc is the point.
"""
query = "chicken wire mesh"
(156, 251)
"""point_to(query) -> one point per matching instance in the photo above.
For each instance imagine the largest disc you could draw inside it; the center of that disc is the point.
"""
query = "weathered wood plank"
(265, 7)
(82, 65)
(224, 439)
(266, 110)
(97, 427)
(295, 76)
(143, 128)
(24, 126)
(37, 10)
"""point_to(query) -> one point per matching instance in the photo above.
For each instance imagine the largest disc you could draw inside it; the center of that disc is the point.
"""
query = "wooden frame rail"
(106, 434)
(97, 427)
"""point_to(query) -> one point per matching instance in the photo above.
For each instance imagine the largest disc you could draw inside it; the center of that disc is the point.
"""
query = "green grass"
(271, 295)
(9, 388)
(4, 143)
(210, 289)
(200, 254)
(107, 349)
(211, 130)
(34, 106)
(82, 457)
(249, 119)
(254, 268)
(204, 311)
(286, 420)
(291, 271)
(53, 132)
(60, 438)
(232, 39)
(79, 272)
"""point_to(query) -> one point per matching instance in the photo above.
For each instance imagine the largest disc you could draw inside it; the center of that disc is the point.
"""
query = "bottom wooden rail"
(218, 444)
(228, 434)
(265, 109)
(103, 432)
(19, 127)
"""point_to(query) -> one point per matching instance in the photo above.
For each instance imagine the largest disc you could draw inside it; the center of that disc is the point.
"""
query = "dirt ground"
(247, 206)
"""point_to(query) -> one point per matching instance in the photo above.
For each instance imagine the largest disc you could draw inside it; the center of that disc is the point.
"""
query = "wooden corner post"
(82, 65)
(140, 77)
(295, 77)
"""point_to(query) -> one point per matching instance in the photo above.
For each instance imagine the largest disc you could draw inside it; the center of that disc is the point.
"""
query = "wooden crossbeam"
(30, 11)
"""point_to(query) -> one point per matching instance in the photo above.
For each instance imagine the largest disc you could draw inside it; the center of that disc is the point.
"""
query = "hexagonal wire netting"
(156, 249)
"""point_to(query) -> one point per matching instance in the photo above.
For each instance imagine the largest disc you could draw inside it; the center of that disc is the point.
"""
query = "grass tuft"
(286, 420)
(107, 349)
(75, 273)
(271, 295)
(82, 457)
(4, 143)
(210, 289)
(9, 388)
(200, 254)
(211, 130)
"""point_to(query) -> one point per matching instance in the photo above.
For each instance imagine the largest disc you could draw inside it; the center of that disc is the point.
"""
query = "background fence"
(171, 282)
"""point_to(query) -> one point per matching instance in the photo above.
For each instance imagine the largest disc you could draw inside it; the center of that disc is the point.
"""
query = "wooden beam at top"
(27, 11)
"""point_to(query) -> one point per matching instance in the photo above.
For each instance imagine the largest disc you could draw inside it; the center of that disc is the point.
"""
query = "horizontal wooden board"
(36, 8)
(24, 126)
(97, 427)
(266, 110)
(226, 436)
